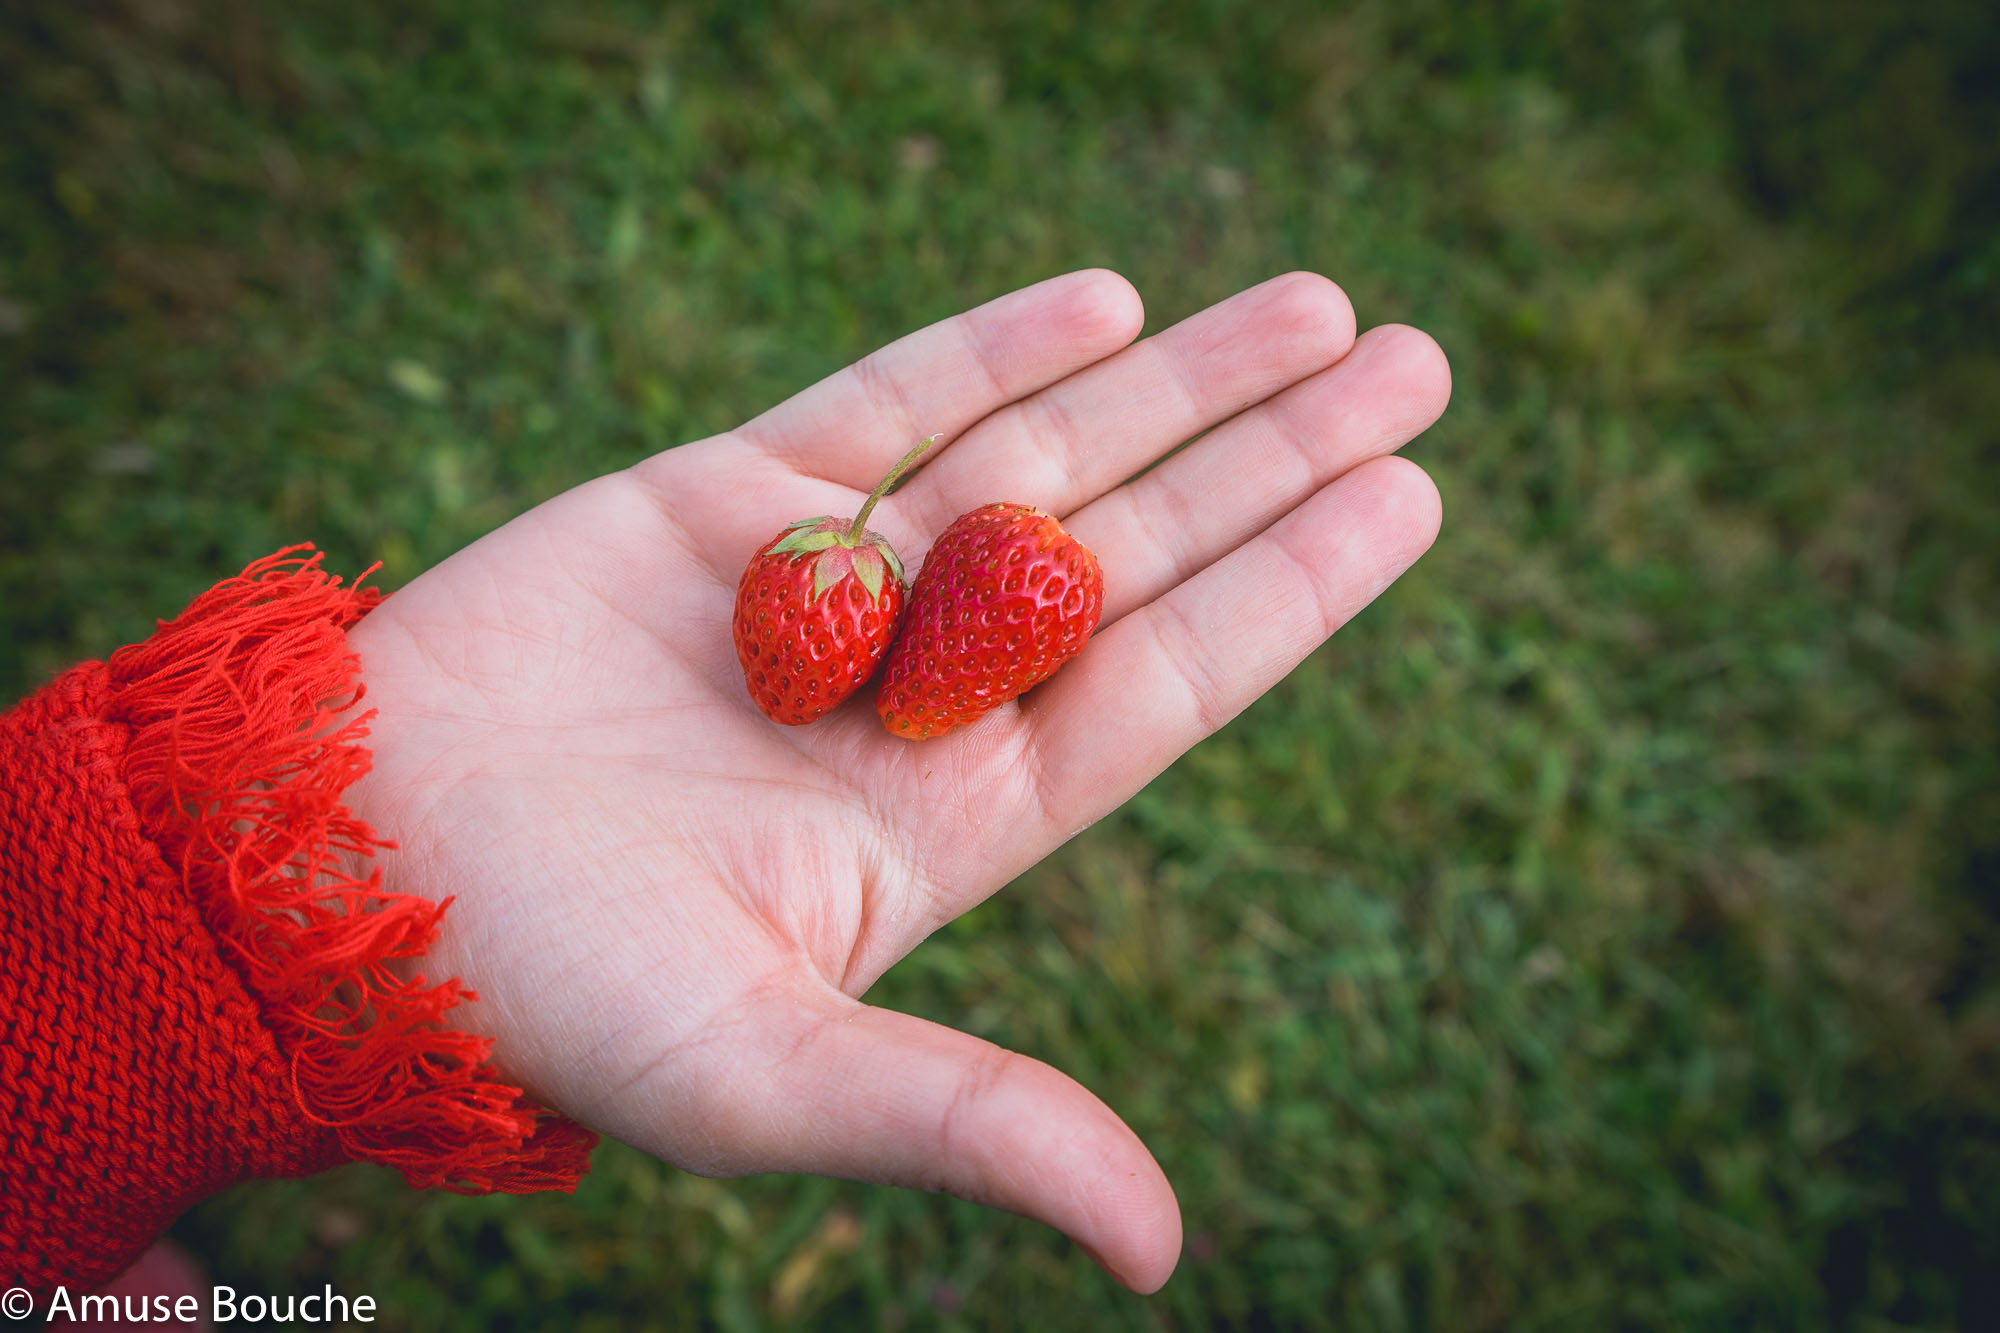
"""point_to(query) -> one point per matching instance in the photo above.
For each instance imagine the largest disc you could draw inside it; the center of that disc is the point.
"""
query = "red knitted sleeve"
(194, 986)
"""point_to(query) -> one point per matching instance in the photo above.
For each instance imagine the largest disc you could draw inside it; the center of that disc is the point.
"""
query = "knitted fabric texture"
(194, 986)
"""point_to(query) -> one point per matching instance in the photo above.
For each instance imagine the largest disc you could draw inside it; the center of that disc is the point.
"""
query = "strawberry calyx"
(841, 548)
(837, 552)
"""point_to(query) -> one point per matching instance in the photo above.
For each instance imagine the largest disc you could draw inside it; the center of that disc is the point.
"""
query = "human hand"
(670, 906)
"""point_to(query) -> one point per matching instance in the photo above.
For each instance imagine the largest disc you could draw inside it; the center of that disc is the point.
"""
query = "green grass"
(1597, 934)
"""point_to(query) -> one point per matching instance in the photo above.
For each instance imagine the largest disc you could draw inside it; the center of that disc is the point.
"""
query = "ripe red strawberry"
(1004, 598)
(817, 608)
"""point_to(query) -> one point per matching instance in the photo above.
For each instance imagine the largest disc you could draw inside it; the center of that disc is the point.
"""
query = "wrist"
(249, 728)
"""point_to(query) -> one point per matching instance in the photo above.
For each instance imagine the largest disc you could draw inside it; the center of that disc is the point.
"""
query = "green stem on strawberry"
(896, 473)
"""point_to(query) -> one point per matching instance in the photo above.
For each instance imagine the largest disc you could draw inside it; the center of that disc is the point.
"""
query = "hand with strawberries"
(671, 907)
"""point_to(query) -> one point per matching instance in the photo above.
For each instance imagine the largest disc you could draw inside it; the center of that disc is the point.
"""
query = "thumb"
(871, 1094)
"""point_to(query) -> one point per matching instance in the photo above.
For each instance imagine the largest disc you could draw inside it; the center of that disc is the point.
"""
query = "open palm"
(670, 906)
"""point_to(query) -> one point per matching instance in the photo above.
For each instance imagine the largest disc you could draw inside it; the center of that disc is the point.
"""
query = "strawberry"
(817, 608)
(1004, 598)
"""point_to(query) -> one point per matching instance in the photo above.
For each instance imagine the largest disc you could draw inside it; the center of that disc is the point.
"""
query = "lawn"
(1599, 932)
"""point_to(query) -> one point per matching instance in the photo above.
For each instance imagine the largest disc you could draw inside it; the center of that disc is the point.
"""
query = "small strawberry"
(1004, 598)
(817, 608)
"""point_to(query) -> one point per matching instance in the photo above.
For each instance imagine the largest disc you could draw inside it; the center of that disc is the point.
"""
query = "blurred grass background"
(1599, 933)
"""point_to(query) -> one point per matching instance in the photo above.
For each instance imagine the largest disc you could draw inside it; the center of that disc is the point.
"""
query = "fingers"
(1067, 445)
(1246, 474)
(870, 1094)
(852, 426)
(1171, 672)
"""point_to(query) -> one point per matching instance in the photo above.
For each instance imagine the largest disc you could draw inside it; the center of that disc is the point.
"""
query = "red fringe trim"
(232, 708)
